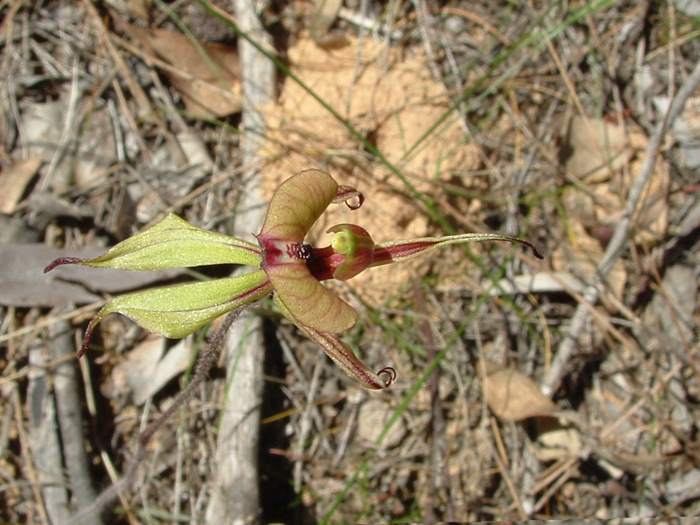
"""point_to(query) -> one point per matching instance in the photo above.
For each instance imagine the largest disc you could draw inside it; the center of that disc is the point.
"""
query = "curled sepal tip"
(352, 198)
(388, 375)
(346, 359)
(60, 261)
(178, 310)
(300, 200)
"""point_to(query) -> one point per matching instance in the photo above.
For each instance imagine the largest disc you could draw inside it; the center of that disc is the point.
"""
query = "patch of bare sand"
(392, 98)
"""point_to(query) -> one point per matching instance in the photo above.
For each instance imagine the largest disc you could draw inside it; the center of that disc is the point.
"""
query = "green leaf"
(178, 310)
(174, 243)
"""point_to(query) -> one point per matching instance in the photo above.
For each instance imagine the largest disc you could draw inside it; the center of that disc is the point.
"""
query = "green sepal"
(178, 310)
(174, 243)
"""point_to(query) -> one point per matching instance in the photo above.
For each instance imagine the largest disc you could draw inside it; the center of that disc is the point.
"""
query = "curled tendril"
(388, 375)
(352, 198)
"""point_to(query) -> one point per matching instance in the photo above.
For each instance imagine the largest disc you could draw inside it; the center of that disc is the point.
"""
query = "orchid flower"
(284, 266)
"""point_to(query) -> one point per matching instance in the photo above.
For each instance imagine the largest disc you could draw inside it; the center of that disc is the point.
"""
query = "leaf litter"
(206, 75)
(633, 381)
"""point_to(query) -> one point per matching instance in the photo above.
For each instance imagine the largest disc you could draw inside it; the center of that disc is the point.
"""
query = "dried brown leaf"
(597, 148)
(14, 181)
(325, 12)
(580, 256)
(513, 396)
(138, 8)
(209, 76)
(555, 442)
(372, 418)
(148, 367)
(607, 158)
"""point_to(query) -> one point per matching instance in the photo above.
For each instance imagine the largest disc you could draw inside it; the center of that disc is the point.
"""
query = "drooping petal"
(343, 355)
(297, 203)
(178, 310)
(309, 301)
(395, 251)
(172, 243)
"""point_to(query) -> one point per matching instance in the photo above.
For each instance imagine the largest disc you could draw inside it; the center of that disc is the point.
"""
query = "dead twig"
(44, 440)
(70, 420)
(235, 494)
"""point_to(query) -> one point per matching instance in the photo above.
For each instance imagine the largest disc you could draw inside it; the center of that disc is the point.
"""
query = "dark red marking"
(299, 251)
(61, 261)
(323, 262)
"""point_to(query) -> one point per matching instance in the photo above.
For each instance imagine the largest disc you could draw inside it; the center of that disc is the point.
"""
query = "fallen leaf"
(555, 442)
(597, 149)
(138, 8)
(513, 396)
(580, 256)
(148, 367)
(607, 158)
(43, 127)
(324, 14)
(208, 76)
(14, 181)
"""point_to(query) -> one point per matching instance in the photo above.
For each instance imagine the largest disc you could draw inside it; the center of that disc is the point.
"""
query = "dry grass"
(102, 133)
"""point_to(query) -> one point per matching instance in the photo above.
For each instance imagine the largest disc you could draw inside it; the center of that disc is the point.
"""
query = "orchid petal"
(355, 244)
(343, 355)
(395, 251)
(297, 203)
(178, 310)
(309, 301)
(172, 243)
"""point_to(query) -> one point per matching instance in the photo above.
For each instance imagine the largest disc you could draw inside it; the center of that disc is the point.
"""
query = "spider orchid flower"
(283, 266)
